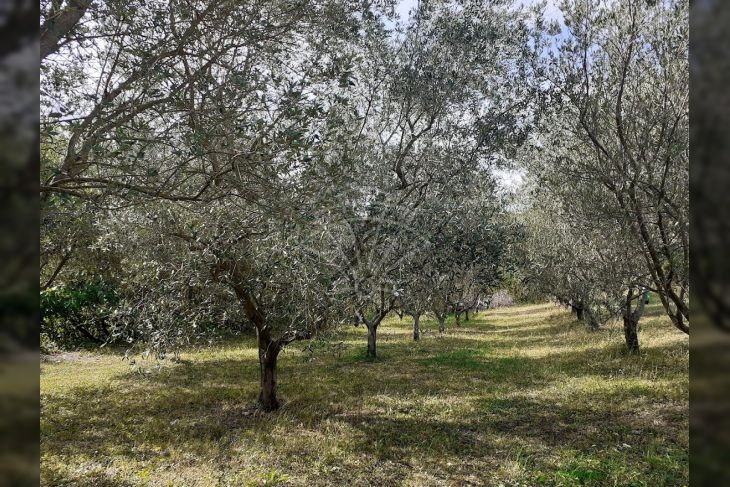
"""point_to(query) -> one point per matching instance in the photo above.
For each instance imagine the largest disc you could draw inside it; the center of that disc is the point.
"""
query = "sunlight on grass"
(522, 395)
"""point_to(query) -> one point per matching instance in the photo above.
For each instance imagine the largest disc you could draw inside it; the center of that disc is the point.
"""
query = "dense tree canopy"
(612, 161)
(286, 167)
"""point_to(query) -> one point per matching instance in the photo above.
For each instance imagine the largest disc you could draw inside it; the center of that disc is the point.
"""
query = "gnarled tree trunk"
(457, 316)
(416, 327)
(268, 347)
(466, 315)
(268, 354)
(631, 320)
(442, 323)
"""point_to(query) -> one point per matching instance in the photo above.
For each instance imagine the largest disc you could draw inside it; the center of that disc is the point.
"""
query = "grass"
(518, 396)
(19, 420)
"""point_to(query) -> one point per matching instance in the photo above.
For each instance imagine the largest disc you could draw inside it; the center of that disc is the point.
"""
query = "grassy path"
(516, 396)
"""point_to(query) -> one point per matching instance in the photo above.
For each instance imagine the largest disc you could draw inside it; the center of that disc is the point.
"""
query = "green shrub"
(77, 314)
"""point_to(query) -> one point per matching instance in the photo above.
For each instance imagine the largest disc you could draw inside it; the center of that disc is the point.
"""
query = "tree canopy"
(289, 167)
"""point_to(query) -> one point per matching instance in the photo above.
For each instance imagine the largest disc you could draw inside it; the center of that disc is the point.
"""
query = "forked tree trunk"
(268, 354)
(631, 321)
(372, 335)
(268, 347)
(416, 327)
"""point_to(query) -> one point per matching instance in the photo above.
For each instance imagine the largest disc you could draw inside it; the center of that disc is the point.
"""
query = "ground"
(523, 395)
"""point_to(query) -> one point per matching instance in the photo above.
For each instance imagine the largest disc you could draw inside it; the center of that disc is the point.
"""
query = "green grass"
(517, 396)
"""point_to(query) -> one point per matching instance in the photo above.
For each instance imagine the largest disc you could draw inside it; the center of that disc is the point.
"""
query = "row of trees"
(291, 165)
(609, 215)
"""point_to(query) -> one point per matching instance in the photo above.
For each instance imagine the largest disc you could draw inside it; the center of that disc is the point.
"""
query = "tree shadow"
(191, 403)
(205, 409)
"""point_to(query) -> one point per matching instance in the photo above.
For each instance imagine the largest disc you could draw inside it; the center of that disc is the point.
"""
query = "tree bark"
(416, 327)
(631, 320)
(457, 316)
(466, 315)
(579, 311)
(268, 354)
(61, 23)
(442, 325)
(268, 347)
(630, 334)
(372, 335)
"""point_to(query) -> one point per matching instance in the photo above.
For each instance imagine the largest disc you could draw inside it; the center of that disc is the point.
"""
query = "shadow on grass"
(523, 421)
(188, 405)
(460, 395)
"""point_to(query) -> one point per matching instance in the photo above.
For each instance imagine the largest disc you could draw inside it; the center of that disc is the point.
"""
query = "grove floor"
(517, 396)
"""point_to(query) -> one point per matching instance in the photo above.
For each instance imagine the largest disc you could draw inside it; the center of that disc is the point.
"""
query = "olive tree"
(196, 136)
(430, 108)
(469, 253)
(583, 260)
(274, 272)
(622, 129)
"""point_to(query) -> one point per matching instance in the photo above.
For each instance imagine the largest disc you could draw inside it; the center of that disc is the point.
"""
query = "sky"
(403, 7)
(509, 179)
(552, 11)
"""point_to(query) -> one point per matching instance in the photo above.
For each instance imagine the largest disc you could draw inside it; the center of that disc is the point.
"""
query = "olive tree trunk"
(631, 320)
(631, 335)
(372, 336)
(416, 327)
(268, 355)
(579, 311)
(457, 316)
(268, 347)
